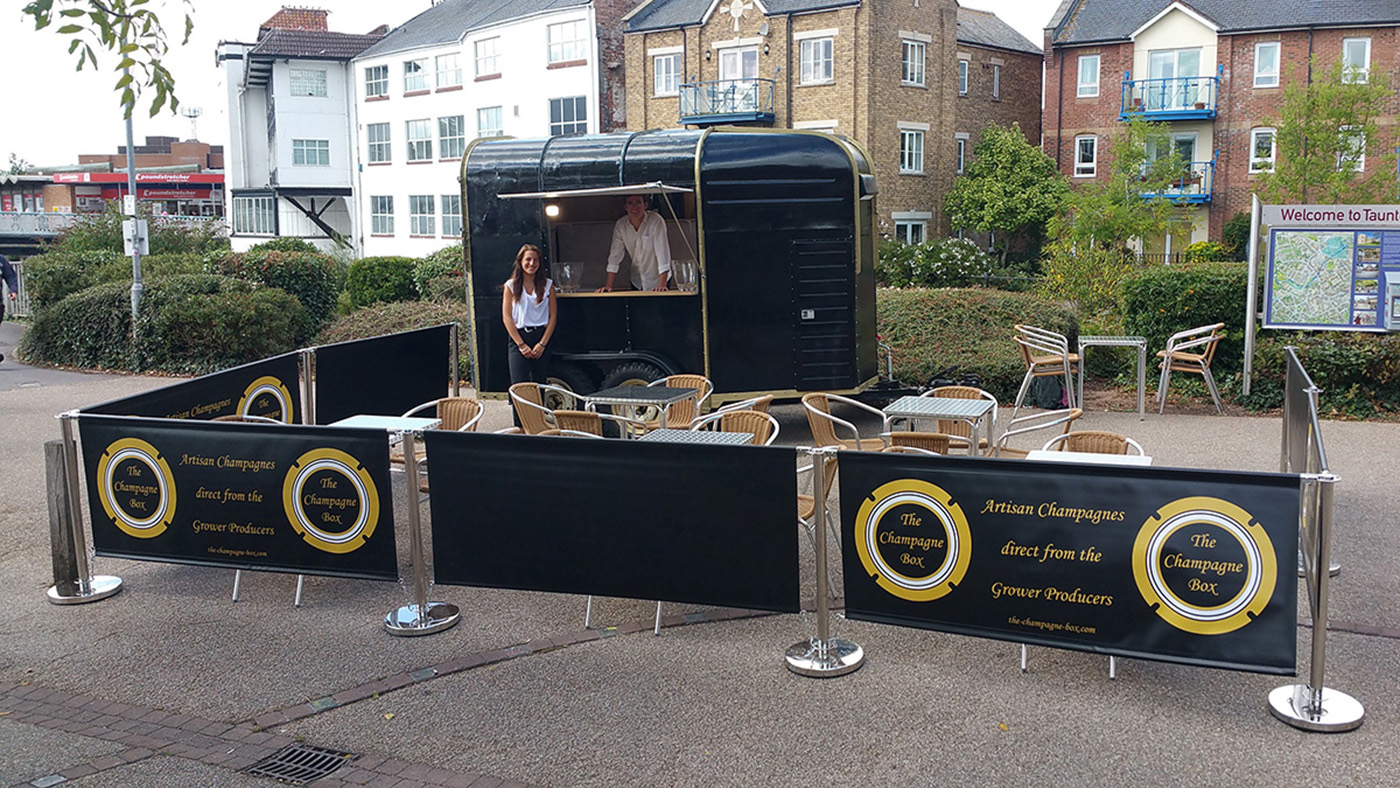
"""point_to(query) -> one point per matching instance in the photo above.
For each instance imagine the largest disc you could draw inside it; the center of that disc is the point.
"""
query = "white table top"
(938, 408)
(390, 423)
(709, 437)
(1089, 457)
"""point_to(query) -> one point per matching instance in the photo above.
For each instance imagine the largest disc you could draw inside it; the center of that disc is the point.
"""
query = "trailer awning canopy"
(655, 187)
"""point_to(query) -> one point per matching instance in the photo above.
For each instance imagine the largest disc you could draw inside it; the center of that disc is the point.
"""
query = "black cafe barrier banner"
(384, 376)
(270, 388)
(702, 524)
(1182, 566)
(311, 500)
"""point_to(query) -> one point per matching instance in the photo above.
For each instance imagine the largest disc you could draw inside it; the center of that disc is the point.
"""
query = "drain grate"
(300, 764)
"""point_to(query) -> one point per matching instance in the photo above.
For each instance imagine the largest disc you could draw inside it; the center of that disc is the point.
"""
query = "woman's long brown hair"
(517, 275)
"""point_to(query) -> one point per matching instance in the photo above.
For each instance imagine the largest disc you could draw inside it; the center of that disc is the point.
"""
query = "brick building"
(1214, 70)
(886, 73)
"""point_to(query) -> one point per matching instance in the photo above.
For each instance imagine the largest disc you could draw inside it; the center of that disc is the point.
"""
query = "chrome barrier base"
(99, 587)
(1338, 712)
(405, 621)
(824, 660)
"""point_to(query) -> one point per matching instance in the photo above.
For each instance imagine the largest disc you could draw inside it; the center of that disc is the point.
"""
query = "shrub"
(286, 244)
(446, 261)
(1359, 373)
(1235, 235)
(310, 276)
(1207, 252)
(1090, 277)
(52, 276)
(168, 235)
(1162, 300)
(187, 323)
(372, 280)
(895, 266)
(929, 330)
(951, 262)
(444, 288)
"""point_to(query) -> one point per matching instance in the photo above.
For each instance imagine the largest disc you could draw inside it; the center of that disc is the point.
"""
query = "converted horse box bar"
(777, 226)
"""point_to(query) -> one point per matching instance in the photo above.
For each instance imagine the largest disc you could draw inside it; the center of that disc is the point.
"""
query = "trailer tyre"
(571, 377)
(631, 373)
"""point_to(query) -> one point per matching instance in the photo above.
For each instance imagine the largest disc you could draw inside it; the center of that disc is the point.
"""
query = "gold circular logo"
(331, 500)
(136, 488)
(267, 397)
(913, 540)
(1204, 565)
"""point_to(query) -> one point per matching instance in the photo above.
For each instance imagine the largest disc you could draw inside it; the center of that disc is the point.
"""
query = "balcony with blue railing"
(1194, 186)
(727, 101)
(1181, 98)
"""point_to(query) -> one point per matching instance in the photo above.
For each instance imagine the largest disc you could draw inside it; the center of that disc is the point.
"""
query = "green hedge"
(446, 261)
(55, 275)
(396, 316)
(373, 280)
(168, 235)
(1359, 373)
(973, 328)
(190, 323)
(309, 275)
(1159, 301)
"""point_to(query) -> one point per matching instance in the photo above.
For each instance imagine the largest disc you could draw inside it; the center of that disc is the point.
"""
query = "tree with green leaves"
(1011, 188)
(18, 166)
(1327, 128)
(127, 29)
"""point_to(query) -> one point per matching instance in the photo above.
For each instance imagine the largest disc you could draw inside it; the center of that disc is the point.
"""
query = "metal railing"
(750, 99)
(20, 306)
(53, 223)
(1196, 183)
(1182, 97)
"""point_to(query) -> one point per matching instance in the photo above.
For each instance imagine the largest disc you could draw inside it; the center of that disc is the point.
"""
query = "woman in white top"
(528, 311)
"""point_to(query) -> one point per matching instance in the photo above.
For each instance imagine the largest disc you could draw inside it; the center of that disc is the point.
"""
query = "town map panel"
(1327, 278)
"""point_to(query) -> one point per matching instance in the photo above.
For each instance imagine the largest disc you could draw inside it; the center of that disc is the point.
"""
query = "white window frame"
(666, 74)
(488, 58)
(379, 149)
(905, 223)
(911, 148)
(913, 63)
(996, 81)
(418, 134)
(1360, 74)
(449, 71)
(1084, 87)
(311, 153)
(451, 215)
(255, 215)
(962, 140)
(1358, 133)
(307, 82)
(567, 41)
(1264, 78)
(376, 81)
(816, 61)
(452, 146)
(381, 215)
(564, 127)
(1257, 163)
(963, 67)
(422, 223)
(490, 122)
(415, 75)
(1090, 168)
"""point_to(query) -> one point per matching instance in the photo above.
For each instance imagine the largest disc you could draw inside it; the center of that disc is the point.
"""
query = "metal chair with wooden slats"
(763, 427)
(679, 415)
(1190, 351)
(1095, 441)
(1033, 422)
(960, 430)
(1046, 354)
(824, 425)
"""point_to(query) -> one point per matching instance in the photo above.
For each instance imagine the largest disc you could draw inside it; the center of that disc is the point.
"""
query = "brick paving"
(146, 732)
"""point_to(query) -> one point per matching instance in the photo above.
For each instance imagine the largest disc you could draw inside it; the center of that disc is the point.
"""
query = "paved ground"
(170, 683)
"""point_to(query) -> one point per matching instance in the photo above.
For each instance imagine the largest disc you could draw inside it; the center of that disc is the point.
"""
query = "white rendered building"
(459, 71)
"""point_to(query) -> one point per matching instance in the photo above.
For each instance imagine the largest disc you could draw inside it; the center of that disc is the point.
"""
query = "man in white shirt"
(642, 235)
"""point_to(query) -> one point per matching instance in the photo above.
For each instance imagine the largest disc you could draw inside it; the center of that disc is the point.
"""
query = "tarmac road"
(170, 683)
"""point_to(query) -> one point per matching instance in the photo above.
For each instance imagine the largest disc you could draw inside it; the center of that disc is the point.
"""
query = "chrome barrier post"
(456, 364)
(85, 587)
(822, 656)
(422, 617)
(308, 386)
(1314, 706)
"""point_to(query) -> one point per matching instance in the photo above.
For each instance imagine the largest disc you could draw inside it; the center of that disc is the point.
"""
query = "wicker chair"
(1096, 441)
(759, 404)
(1201, 343)
(959, 430)
(763, 427)
(824, 425)
(570, 434)
(528, 399)
(930, 442)
(1046, 354)
(1034, 422)
(456, 413)
(591, 421)
(680, 415)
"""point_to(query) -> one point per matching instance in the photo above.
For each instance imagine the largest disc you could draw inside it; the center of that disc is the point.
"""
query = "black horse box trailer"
(775, 227)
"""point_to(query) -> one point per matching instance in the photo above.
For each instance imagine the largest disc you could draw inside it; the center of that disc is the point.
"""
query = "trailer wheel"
(631, 373)
(571, 377)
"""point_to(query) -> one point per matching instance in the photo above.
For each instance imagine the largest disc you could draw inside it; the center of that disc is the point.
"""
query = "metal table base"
(1106, 341)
